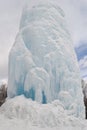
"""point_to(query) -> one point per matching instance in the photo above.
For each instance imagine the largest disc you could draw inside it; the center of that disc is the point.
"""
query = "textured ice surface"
(31, 113)
(42, 62)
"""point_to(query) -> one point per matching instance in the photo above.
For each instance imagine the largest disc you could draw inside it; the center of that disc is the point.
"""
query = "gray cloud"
(83, 67)
(10, 13)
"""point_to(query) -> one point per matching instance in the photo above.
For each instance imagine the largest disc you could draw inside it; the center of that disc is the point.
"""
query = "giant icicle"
(42, 62)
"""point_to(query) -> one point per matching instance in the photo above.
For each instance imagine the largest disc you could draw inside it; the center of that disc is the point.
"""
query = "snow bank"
(35, 114)
(3, 82)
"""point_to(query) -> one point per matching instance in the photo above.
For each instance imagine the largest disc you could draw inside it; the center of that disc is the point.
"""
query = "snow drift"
(40, 115)
(42, 62)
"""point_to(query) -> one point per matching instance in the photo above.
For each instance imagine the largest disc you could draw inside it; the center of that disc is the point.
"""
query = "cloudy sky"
(76, 17)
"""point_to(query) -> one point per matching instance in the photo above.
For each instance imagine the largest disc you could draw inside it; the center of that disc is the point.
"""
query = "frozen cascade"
(42, 62)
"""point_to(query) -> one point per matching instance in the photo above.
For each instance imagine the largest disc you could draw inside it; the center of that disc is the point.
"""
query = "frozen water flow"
(42, 62)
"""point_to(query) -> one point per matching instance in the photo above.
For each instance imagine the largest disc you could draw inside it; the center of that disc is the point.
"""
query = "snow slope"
(42, 61)
(20, 113)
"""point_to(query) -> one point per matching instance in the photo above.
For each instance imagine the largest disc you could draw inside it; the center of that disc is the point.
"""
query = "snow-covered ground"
(20, 113)
(23, 125)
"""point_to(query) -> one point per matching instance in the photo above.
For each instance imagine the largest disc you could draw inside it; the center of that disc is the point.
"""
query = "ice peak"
(42, 62)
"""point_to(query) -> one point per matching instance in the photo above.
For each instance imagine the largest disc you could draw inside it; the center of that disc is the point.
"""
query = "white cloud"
(83, 67)
(83, 63)
(76, 15)
(10, 13)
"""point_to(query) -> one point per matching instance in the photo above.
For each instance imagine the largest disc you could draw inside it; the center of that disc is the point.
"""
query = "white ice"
(42, 62)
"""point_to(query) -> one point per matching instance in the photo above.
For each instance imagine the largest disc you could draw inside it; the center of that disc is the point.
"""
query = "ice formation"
(42, 62)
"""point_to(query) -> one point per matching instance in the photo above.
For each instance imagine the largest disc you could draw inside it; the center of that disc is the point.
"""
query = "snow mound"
(3, 82)
(35, 114)
(42, 61)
